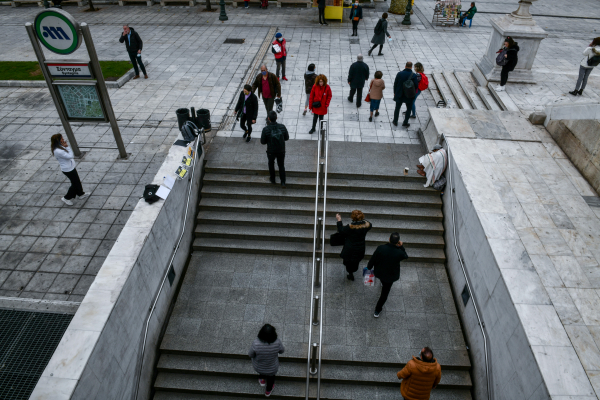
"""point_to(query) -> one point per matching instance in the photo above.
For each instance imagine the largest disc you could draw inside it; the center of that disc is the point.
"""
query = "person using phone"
(133, 44)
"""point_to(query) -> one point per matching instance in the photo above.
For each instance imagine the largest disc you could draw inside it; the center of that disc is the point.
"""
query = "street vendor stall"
(446, 12)
(334, 9)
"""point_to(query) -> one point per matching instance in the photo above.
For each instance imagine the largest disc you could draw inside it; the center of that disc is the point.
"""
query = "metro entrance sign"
(57, 31)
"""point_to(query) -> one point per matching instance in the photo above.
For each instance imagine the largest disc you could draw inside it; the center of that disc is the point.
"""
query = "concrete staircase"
(460, 89)
(242, 212)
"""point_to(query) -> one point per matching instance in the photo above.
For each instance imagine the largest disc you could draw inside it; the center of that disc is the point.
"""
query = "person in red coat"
(320, 97)
(278, 48)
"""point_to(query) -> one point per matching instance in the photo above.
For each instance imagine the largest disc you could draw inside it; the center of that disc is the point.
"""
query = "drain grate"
(27, 341)
(235, 41)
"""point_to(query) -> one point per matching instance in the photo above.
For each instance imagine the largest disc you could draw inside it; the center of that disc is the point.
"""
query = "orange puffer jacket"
(418, 378)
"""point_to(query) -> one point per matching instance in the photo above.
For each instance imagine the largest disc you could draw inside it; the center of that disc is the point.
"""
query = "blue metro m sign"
(57, 31)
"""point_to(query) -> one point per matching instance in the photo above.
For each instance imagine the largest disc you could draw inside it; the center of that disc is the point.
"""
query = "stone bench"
(192, 3)
(234, 3)
(40, 3)
(18, 3)
(307, 3)
(148, 2)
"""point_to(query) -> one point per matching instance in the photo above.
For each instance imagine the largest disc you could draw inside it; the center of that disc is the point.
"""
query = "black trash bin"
(203, 119)
(183, 115)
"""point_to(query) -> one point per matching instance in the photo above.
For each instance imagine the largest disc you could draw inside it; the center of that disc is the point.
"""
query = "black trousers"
(504, 75)
(246, 124)
(385, 291)
(322, 15)
(351, 266)
(270, 381)
(315, 117)
(135, 60)
(76, 189)
(280, 157)
(409, 104)
(358, 91)
(269, 103)
(355, 26)
(375, 45)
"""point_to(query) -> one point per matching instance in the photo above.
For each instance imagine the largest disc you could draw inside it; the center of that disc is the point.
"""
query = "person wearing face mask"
(278, 48)
(355, 17)
(247, 110)
(268, 87)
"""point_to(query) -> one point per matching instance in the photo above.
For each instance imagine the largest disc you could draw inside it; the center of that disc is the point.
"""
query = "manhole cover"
(354, 41)
(235, 41)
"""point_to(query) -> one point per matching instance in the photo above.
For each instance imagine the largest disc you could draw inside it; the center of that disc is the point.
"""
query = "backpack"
(408, 88)
(500, 59)
(440, 184)
(424, 84)
(594, 61)
(188, 131)
(379, 27)
(276, 140)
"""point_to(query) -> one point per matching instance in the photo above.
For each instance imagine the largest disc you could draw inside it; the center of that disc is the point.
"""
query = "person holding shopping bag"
(376, 93)
(320, 97)
(63, 153)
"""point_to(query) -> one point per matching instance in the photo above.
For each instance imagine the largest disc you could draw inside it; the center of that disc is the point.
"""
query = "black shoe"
(245, 134)
(357, 104)
(312, 131)
(580, 91)
(406, 125)
(369, 52)
(413, 116)
(283, 185)
(574, 92)
(380, 54)
(377, 113)
(350, 277)
(273, 181)
(370, 119)
(376, 314)
(395, 123)
(325, 23)
(350, 100)
(248, 138)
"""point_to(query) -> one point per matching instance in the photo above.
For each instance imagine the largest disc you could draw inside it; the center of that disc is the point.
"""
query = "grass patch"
(30, 70)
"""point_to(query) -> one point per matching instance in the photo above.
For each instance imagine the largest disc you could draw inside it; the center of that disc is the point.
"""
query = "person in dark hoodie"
(420, 376)
(309, 82)
(247, 110)
(133, 44)
(590, 58)
(512, 48)
(275, 135)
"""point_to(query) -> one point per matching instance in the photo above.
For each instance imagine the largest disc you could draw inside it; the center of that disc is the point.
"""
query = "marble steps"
(433, 89)
(271, 207)
(306, 222)
(469, 87)
(295, 248)
(503, 99)
(284, 233)
(488, 99)
(462, 99)
(444, 90)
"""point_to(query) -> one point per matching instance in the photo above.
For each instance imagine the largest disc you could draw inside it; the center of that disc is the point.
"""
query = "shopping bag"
(337, 239)
(368, 277)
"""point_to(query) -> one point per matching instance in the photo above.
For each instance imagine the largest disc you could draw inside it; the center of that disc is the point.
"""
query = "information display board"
(80, 100)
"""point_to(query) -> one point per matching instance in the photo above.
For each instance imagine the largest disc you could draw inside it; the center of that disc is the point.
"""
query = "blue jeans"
(414, 108)
(375, 104)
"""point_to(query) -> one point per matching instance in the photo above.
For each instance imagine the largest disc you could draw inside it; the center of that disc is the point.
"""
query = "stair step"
(503, 99)
(306, 221)
(353, 198)
(444, 89)
(460, 96)
(416, 254)
(212, 204)
(488, 99)
(286, 389)
(433, 89)
(380, 186)
(340, 373)
(469, 87)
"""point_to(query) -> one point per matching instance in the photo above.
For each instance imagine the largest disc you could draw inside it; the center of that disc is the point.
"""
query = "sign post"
(76, 86)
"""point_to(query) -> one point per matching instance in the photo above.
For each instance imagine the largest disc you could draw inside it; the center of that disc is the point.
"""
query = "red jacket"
(322, 94)
(283, 51)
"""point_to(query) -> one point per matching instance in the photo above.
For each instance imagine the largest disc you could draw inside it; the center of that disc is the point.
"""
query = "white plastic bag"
(368, 277)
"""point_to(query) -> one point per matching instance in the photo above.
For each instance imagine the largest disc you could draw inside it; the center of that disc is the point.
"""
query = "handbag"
(500, 59)
(337, 239)
(317, 104)
(368, 98)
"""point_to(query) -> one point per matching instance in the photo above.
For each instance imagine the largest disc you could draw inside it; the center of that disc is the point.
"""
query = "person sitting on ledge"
(432, 165)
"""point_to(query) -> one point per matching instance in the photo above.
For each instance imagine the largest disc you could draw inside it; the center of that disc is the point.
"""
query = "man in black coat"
(400, 96)
(247, 110)
(275, 135)
(358, 74)
(133, 44)
(321, 4)
(386, 261)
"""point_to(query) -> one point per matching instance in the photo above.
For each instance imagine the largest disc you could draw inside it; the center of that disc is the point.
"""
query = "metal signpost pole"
(95, 64)
(63, 118)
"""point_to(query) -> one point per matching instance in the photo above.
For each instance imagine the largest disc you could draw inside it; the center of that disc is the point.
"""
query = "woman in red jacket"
(320, 97)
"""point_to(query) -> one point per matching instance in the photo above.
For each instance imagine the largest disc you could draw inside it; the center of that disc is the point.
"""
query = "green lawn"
(30, 70)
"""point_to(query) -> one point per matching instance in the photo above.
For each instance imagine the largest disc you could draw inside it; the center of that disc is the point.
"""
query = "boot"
(369, 53)
(580, 92)
(574, 92)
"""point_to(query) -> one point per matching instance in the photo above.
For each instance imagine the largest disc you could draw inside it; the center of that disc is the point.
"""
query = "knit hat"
(437, 147)
(278, 35)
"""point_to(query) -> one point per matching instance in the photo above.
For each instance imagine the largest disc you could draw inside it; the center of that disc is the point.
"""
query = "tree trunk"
(208, 7)
(91, 4)
(399, 7)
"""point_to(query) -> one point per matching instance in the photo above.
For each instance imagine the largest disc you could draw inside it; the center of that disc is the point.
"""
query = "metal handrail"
(467, 280)
(166, 274)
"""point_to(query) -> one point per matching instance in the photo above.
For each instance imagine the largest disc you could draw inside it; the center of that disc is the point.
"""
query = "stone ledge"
(38, 305)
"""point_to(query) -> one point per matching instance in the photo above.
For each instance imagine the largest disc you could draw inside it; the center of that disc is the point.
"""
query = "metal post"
(406, 20)
(322, 136)
(315, 319)
(318, 273)
(95, 64)
(63, 118)
(223, 15)
(321, 178)
(313, 358)
(319, 229)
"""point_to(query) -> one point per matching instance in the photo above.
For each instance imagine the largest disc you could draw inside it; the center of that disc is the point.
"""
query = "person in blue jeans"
(420, 72)
(376, 93)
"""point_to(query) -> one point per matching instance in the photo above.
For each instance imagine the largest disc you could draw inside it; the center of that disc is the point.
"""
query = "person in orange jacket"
(278, 48)
(419, 376)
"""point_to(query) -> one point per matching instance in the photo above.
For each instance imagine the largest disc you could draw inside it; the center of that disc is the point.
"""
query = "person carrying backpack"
(274, 135)
(380, 33)
(405, 91)
(591, 58)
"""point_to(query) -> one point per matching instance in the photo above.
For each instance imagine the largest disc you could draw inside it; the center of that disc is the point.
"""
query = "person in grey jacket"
(65, 157)
(379, 36)
(264, 353)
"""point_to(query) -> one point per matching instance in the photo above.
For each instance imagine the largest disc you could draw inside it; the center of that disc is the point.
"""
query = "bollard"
(318, 273)
(313, 358)
(319, 229)
(315, 319)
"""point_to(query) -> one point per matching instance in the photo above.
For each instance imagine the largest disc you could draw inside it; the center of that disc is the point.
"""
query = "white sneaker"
(500, 88)
(67, 202)
(84, 196)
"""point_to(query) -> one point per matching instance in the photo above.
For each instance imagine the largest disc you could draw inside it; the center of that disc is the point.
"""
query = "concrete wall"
(513, 367)
(98, 355)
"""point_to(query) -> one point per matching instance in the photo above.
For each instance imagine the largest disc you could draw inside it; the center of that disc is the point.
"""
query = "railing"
(467, 280)
(313, 363)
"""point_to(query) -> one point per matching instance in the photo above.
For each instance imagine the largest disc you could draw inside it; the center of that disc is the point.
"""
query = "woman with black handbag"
(318, 102)
(354, 240)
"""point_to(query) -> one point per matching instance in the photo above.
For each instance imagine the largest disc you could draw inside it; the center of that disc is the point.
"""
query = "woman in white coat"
(591, 58)
(63, 153)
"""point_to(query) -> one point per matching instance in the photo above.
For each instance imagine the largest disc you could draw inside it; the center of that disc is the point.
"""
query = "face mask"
(263, 72)
(280, 39)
